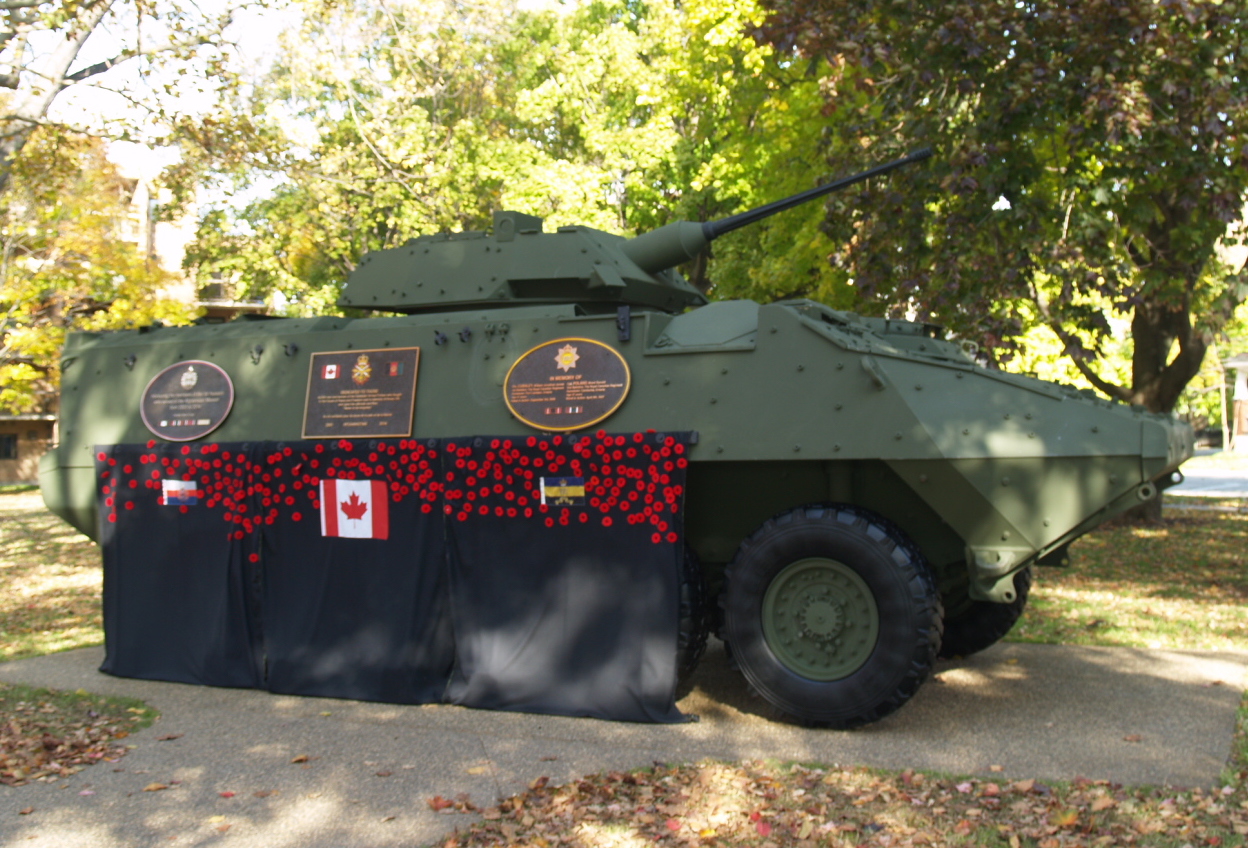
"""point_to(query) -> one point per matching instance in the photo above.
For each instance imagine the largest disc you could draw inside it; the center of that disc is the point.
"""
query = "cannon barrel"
(680, 241)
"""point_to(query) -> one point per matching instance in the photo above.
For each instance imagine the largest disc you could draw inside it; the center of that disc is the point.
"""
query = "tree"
(1089, 158)
(66, 262)
(41, 42)
(387, 122)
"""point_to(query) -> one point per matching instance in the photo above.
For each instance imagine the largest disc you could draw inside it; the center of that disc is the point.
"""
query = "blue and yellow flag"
(563, 491)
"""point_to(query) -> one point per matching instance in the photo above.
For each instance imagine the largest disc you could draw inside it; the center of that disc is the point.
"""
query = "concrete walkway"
(1212, 483)
(1043, 711)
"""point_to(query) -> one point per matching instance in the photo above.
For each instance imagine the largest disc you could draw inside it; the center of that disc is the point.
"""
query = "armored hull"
(857, 487)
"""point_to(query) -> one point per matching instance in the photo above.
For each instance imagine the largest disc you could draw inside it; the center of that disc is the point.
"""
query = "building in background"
(23, 439)
(164, 241)
(1237, 411)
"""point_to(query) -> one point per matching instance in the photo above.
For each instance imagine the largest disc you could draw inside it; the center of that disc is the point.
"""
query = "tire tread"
(917, 577)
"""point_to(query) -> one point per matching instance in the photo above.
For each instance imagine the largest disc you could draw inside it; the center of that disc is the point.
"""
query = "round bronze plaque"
(566, 384)
(187, 400)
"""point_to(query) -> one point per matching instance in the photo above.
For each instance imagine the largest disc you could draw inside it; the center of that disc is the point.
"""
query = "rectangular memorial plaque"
(361, 393)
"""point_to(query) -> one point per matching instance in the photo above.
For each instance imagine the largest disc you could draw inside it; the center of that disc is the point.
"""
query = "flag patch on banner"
(563, 491)
(179, 492)
(355, 509)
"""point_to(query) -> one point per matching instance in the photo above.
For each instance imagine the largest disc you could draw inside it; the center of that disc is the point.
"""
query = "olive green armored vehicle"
(863, 495)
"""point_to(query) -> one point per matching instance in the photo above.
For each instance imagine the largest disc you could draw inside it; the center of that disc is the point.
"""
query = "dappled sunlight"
(1153, 533)
(1143, 619)
(1181, 584)
(981, 679)
(51, 580)
(762, 803)
(609, 836)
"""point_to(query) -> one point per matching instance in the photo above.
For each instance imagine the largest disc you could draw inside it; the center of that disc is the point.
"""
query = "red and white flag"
(356, 509)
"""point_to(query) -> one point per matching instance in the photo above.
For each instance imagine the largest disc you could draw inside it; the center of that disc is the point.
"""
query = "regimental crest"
(566, 358)
(189, 378)
(362, 370)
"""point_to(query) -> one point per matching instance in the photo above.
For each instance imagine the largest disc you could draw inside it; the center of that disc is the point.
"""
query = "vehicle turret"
(518, 264)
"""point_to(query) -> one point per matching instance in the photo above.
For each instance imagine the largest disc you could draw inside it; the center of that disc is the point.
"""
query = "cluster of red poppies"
(637, 478)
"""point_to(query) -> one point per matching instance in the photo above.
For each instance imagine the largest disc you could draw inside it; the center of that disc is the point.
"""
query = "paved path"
(1212, 483)
(1039, 711)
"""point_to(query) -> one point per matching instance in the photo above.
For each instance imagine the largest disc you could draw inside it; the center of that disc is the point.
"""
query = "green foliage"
(382, 124)
(1112, 131)
(68, 261)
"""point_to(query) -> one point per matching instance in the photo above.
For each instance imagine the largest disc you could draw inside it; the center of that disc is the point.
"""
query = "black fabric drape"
(569, 606)
(358, 618)
(219, 569)
(175, 584)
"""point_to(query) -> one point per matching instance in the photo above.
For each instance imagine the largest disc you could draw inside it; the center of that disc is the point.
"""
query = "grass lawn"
(50, 581)
(1181, 585)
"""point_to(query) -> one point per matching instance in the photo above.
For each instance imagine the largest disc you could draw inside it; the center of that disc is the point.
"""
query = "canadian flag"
(357, 509)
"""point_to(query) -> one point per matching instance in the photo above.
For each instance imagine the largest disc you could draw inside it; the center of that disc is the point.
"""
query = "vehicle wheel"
(694, 617)
(982, 623)
(832, 614)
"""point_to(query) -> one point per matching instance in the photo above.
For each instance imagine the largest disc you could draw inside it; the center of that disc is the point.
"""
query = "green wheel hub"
(820, 619)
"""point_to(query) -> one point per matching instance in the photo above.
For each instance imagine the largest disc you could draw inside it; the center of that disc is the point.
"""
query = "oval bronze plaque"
(566, 384)
(187, 400)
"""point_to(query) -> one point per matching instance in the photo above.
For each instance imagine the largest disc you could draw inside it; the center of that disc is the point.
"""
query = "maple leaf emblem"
(354, 508)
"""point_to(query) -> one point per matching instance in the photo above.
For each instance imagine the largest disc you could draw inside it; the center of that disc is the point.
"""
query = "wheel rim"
(820, 619)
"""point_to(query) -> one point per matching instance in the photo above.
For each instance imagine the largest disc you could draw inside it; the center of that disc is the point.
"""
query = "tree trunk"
(1156, 379)
(1146, 514)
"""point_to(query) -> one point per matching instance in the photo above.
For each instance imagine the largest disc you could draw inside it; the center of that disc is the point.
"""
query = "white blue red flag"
(356, 509)
(179, 492)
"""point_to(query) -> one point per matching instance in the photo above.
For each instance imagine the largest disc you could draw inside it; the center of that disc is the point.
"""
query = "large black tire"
(832, 614)
(981, 624)
(694, 618)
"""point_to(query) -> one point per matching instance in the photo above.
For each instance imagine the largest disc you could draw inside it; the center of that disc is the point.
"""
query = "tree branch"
(1069, 347)
(97, 68)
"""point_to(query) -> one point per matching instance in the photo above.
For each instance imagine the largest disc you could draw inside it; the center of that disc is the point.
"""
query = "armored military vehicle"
(863, 494)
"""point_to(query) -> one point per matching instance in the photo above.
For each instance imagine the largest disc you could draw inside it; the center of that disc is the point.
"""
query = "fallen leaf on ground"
(154, 787)
(168, 737)
(302, 758)
(1065, 818)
